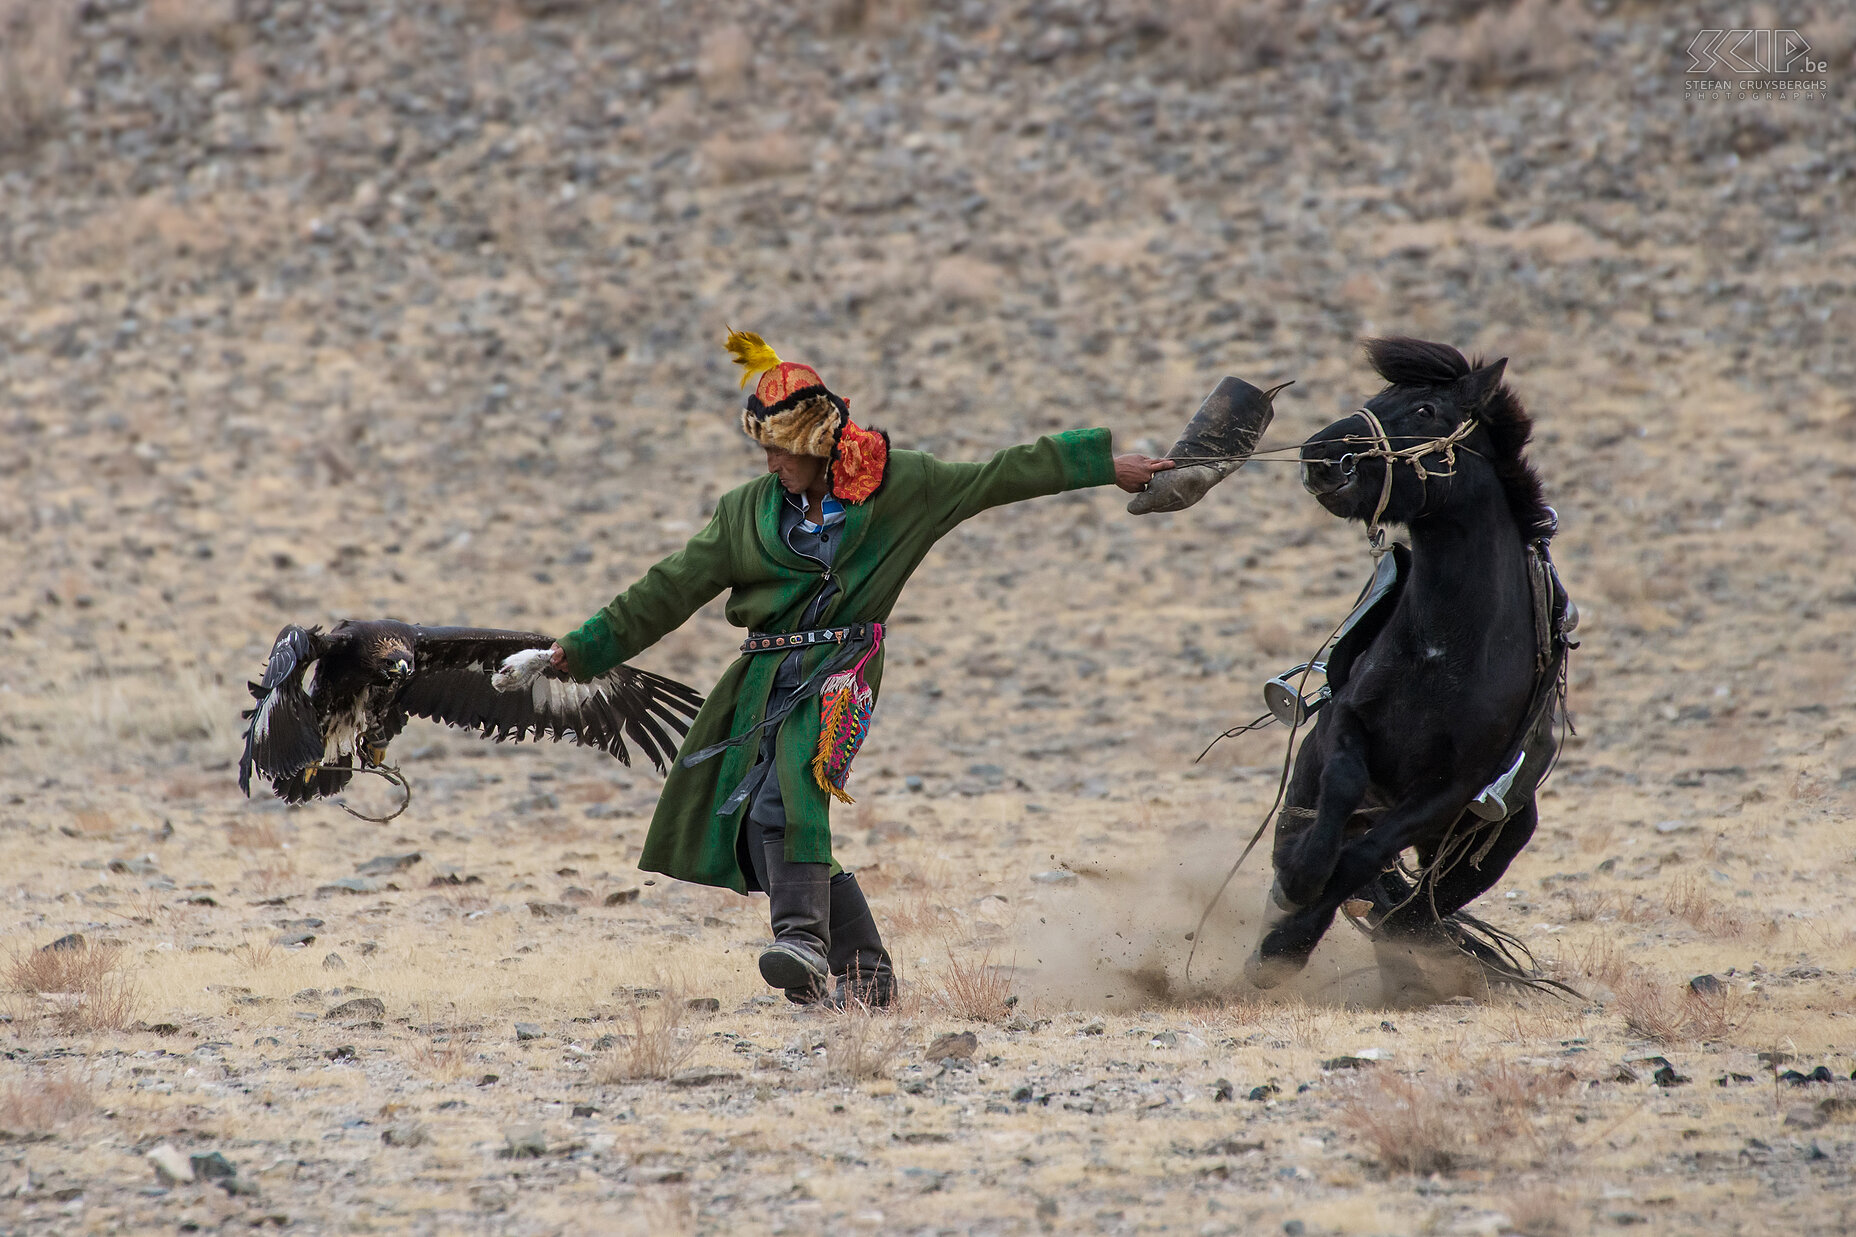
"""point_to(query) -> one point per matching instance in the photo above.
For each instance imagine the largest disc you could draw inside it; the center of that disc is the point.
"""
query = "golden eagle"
(329, 704)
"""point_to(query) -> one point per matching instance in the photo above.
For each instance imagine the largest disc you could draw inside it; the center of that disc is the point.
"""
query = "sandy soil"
(310, 310)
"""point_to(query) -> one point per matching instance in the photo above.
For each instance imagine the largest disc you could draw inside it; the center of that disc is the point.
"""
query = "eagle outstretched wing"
(453, 685)
(285, 735)
(328, 705)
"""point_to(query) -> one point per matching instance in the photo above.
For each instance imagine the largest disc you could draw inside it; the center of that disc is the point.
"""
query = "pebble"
(528, 1030)
(1706, 985)
(360, 1007)
(619, 897)
(294, 938)
(348, 884)
(170, 1166)
(524, 1142)
(1347, 1062)
(704, 1004)
(334, 963)
(69, 942)
(213, 1166)
(551, 910)
(1056, 876)
(953, 1046)
(405, 1134)
(702, 1076)
(383, 864)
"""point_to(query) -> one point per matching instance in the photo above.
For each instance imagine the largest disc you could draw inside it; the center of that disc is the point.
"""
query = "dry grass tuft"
(1668, 1013)
(43, 1103)
(1411, 1125)
(255, 954)
(36, 46)
(1444, 1123)
(1226, 36)
(446, 1062)
(920, 915)
(1598, 961)
(189, 21)
(81, 989)
(977, 991)
(656, 1042)
(1540, 1211)
(862, 1045)
(735, 160)
(263, 835)
(1689, 900)
(1511, 45)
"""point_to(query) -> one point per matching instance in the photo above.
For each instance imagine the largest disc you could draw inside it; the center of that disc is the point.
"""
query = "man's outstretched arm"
(1072, 460)
(660, 602)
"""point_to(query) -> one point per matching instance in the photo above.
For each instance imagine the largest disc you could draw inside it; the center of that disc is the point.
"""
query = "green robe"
(882, 542)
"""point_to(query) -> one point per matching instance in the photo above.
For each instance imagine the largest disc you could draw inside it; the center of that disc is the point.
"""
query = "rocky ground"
(316, 308)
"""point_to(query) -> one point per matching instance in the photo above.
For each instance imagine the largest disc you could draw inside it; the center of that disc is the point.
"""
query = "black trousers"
(848, 935)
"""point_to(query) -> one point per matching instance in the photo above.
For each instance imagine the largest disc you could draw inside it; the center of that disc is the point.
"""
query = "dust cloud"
(1119, 940)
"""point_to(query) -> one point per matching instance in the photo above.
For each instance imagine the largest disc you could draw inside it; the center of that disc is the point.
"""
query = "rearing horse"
(1445, 692)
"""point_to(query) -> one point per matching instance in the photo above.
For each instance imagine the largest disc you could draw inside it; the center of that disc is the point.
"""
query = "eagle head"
(394, 660)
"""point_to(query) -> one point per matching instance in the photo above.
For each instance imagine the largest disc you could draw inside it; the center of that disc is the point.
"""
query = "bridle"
(1413, 455)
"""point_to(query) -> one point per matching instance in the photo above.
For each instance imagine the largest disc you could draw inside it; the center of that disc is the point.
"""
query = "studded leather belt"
(761, 642)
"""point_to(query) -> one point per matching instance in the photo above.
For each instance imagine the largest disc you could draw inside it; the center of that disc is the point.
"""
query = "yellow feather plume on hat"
(751, 353)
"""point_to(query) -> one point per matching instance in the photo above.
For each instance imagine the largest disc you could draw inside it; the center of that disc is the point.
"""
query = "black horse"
(1445, 690)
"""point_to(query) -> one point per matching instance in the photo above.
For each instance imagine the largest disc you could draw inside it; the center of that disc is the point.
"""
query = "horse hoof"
(1262, 972)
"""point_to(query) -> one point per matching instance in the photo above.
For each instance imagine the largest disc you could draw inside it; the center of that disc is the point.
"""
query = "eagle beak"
(401, 669)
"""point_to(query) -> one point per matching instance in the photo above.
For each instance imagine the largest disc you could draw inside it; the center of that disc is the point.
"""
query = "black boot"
(799, 895)
(858, 959)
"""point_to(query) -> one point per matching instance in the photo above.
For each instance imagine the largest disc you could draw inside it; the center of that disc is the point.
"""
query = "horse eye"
(1425, 410)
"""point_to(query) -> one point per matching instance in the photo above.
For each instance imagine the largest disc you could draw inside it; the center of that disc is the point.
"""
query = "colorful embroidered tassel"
(845, 706)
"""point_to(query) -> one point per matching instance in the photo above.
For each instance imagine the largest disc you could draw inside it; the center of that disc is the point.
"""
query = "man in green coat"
(815, 554)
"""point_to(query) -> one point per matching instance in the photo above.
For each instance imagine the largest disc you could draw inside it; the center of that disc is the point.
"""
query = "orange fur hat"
(793, 410)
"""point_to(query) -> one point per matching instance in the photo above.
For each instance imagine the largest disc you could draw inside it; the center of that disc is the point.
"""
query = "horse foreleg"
(1308, 842)
(1348, 867)
(1304, 869)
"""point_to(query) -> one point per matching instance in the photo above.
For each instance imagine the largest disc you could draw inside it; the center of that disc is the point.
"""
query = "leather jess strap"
(761, 642)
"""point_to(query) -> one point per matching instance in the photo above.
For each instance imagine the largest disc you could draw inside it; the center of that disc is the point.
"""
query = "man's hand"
(557, 657)
(1133, 472)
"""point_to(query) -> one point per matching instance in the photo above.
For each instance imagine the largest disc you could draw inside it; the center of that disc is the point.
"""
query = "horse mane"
(1406, 362)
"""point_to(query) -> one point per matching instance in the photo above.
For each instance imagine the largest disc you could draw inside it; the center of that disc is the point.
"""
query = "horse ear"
(1479, 385)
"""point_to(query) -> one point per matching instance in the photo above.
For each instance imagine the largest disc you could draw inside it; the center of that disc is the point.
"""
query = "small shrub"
(255, 955)
(446, 1062)
(1668, 1013)
(43, 1103)
(1511, 45)
(188, 21)
(81, 989)
(1440, 1124)
(862, 1045)
(36, 44)
(977, 991)
(655, 1043)
(734, 160)
(1412, 1126)
(1540, 1211)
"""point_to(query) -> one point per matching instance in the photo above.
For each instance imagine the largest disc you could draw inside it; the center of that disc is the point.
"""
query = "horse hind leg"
(1427, 948)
